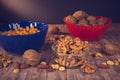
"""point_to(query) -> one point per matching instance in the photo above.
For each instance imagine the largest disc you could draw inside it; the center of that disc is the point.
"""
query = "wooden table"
(32, 73)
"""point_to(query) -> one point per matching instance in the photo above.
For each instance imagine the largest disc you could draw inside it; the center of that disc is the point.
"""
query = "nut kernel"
(16, 71)
(98, 54)
(61, 68)
(43, 63)
(110, 63)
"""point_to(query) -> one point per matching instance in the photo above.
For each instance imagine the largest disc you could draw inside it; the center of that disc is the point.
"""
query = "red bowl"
(88, 32)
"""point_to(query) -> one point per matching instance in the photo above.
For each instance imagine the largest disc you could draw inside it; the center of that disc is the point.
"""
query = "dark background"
(53, 11)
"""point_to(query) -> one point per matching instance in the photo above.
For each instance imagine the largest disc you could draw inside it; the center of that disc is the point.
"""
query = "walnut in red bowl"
(88, 27)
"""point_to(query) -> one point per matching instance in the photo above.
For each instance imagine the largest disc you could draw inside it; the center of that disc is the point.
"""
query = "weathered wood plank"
(52, 75)
(42, 74)
(74, 74)
(33, 74)
(23, 74)
(113, 74)
(57, 75)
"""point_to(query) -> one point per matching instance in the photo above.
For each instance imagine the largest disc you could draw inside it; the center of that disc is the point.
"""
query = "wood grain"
(32, 73)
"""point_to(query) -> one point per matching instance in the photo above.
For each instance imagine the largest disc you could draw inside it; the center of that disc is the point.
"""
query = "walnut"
(5, 60)
(31, 57)
(104, 63)
(116, 62)
(101, 21)
(5, 64)
(71, 19)
(88, 68)
(111, 49)
(82, 18)
(91, 18)
(81, 61)
(50, 66)
(79, 14)
(43, 63)
(83, 22)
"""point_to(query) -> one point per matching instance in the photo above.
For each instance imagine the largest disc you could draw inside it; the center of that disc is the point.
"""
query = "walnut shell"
(71, 19)
(91, 18)
(83, 22)
(111, 49)
(79, 14)
(101, 21)
(31, 57)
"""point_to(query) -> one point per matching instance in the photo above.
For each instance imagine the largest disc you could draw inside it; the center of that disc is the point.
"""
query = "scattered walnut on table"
(31, 57)
(108, 63)
(116, 62)
(88, 68)
(5, 60)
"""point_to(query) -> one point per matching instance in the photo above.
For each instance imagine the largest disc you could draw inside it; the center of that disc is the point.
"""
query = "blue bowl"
(20, 43)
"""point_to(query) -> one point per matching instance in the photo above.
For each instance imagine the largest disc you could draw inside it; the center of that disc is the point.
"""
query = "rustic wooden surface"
(32, 73)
